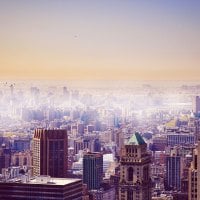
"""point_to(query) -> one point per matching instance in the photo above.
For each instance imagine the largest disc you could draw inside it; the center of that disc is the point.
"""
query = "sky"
(100, 40)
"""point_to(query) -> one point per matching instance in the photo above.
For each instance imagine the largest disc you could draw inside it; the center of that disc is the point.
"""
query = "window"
(25, 161)
(130, 195)
(17, 161)
(130, 174)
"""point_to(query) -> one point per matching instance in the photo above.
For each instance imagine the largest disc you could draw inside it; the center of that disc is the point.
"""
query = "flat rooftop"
(46, 180)
(52, 181)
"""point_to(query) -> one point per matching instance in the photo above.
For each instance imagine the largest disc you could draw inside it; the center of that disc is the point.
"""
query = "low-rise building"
(42, 187)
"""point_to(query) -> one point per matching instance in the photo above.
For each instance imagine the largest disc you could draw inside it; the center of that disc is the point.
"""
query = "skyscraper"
(135, 182)
(50, 152)
(192, 177)
(5, 157)
(93, 170)
(173, 172)
(197, 130)
(196, 105)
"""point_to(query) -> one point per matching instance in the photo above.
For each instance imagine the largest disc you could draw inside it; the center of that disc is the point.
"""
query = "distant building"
(96, 144)
(159, 143)
(5, 157)
(105, 193)
(23, 158)
(135, 182)
(66, 93)
(80, 127)
(93, 170)
(196, 105)
(159, 157)
(90, 128)
(5, 141)
(80, 144)
(93, 144)
(197, 129)
(50, 150)
(21, 144)
(42, 187)
(180, 139)
(119, 140)
(157, 169)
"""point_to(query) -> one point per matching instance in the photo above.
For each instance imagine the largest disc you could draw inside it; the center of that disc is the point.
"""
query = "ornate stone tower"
(135, 182)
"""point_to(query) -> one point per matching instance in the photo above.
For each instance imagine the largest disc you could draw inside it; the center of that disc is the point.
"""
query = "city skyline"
(100, 40)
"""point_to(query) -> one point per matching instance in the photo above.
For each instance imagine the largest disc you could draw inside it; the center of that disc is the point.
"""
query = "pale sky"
(105, 39)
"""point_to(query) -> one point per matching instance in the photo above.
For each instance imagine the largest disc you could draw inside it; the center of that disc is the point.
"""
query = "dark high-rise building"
(50, 152)
(80, 128)
(96, 145)
(173, 172)
(93, 170)
(5, 157)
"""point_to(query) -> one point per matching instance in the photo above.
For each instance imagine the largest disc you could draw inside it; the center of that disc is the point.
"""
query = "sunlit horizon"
(115, 40)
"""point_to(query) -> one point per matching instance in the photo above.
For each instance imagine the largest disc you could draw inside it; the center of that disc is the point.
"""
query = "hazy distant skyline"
(126, 40)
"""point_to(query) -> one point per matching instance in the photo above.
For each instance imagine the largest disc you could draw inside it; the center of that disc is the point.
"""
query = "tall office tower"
(80, 128)
(192, 177)
(173, 172)
(119, 140)
(96, 145)
(196, 105)
(93, 170)
(50, 152)
(135, 182)
(5, 157)
(197, 130)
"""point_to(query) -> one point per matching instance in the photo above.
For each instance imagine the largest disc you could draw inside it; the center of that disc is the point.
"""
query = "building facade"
(180, 139)
(173, 172)
(135, 182)
(21, 144)
(192, 178)
(93, 170)
(23, 158)
(5, 158)
(43, 188)
(50, 150)
(196, 105)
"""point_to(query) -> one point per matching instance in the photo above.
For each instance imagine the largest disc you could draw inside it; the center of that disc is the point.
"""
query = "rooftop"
(136, 139)
(53, 181)
(45, 180)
